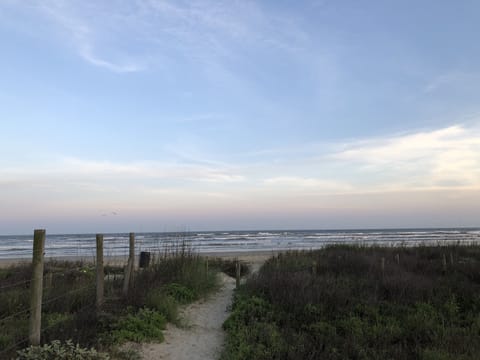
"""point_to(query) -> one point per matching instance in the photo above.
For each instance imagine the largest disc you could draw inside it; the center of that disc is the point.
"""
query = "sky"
(155, 115)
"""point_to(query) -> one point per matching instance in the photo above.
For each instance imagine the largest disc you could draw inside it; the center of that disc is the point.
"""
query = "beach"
(250, 257)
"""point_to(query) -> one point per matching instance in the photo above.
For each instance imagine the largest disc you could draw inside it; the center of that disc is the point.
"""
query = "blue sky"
(153, 115)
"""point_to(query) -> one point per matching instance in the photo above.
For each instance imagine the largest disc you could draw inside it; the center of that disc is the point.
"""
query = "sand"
(248, 256)
(203, 337)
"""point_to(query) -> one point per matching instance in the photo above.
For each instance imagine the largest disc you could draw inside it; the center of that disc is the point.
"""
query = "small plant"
(145, 325)
(58, 351)
(163, 303)
(181, 293)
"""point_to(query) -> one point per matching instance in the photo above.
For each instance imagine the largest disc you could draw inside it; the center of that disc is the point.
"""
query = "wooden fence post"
(100, 272)
(237, 273)
(397, 259)
(49, 280)
(128, 280)
(36, 287)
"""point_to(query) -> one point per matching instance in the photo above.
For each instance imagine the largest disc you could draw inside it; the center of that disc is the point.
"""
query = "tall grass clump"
(178, 272)
(177, 276)
(339, 303)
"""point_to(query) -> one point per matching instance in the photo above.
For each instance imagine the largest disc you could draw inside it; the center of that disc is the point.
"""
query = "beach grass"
(359, 302)
(176, 276)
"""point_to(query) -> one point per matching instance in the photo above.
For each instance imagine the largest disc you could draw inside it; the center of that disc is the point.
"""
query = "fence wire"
(15, 284)
(12, 347)
(48, 301)
(11, 316)
(16, 337)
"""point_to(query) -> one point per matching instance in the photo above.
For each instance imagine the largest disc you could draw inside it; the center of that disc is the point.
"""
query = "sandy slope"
(203, 337)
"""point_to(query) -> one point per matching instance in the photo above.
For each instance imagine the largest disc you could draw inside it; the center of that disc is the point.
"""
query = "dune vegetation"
(355, 302)
(175, 277)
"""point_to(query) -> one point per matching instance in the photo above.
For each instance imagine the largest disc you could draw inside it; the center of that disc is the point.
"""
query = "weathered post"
(36, 287)
(100, 272)
(128, 280)
(397, 258)
(49, 280)
(131, 257)
(237, 273)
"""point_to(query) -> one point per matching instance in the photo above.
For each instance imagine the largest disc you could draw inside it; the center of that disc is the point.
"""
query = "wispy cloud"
(131, 36)
(452, 79)
(86, 52)
(100, 173)
(84, 30)
(425, 160)
(316, 185)
(444, 158)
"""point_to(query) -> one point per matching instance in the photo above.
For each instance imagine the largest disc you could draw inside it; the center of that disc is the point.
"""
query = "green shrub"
(181, 293)
(431, 354)
(58, 351)
(164, 304)
(348, 308)
(53, 319)
(5, 340)
(259, 341)
(145, 325)
(13, 300)
(247, 311)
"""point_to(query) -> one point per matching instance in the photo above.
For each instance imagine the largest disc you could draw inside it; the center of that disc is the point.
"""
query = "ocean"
(83, 245)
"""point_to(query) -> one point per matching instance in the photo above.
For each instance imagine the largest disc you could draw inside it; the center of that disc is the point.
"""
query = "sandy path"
(203, 337)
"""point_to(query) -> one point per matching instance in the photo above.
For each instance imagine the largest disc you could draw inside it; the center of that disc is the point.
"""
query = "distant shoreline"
(251, 256)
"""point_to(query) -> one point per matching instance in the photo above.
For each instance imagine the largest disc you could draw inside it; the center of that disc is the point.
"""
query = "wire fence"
(2, 288)
(18, 320)
(67, 292)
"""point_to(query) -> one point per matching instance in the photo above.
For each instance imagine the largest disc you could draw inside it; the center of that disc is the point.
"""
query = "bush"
(337, 303)
(58, 351)
(164, 304)
(146, 325)
(181, 293)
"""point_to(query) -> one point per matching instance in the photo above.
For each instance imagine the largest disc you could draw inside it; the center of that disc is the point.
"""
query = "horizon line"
(259, 230)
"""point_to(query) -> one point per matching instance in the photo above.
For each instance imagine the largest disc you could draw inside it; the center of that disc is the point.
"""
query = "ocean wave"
(117, 244)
